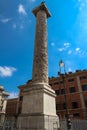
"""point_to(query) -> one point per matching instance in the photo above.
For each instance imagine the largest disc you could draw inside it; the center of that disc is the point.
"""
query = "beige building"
(3, 102)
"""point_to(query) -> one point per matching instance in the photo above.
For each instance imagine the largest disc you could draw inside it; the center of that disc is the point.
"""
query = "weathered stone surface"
(38, 122)
(39, 99)
(40, 66)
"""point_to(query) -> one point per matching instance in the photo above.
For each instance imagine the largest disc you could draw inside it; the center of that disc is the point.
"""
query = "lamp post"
(63, 74)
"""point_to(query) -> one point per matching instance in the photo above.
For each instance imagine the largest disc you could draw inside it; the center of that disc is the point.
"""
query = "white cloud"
(52, 44)
(6, 71)
(83, 53)
(70, 70)
(67, 44)
(13, 95)
(14, 25)
(61, 49)
(78, 49)
(70, 52)
(69, 65)
(21, 10)
(82, 4)
(5, 20)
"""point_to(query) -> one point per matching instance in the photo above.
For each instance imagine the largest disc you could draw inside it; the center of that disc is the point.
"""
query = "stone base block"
(39, 98)
(37, 122)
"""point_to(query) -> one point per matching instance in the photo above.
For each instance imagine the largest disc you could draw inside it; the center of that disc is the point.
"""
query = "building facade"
(71, 91)
(12, 108)
(76, 94)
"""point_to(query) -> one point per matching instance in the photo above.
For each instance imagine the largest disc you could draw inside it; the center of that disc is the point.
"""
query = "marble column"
(40, 65)
(38, 107)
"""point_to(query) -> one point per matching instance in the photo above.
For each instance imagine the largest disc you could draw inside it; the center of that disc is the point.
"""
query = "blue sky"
(67, 32)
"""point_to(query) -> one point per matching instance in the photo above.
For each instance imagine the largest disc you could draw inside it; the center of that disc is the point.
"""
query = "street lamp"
(62, 69)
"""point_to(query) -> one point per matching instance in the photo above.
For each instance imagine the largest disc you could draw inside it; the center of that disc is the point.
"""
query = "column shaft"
(40, 65)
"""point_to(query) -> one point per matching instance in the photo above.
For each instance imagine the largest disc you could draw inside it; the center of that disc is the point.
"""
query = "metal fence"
(76, 125)
(7, 125)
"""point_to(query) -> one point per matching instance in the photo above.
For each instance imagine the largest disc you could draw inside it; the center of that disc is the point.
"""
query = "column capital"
(41, 7)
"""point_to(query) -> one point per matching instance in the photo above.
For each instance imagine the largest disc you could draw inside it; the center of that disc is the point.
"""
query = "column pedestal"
(38, 109)
(37, 122)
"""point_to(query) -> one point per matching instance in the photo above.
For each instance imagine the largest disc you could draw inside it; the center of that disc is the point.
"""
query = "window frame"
(84, 87)
(63, 91)
(83, 77)
(71, 80)
(58, 106)
(73, 90)
(75, 105)
(57, 90)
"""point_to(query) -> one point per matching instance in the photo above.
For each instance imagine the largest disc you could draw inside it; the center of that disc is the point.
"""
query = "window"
(84, 87)
(72, 89)
(64, 105)
(57, 92)
(21, 98)
(83, 77)
(70, 80)
(58, 106)
(62, 91)
(61, 82)
(74, 105)
(76, 114)
(56, 83)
